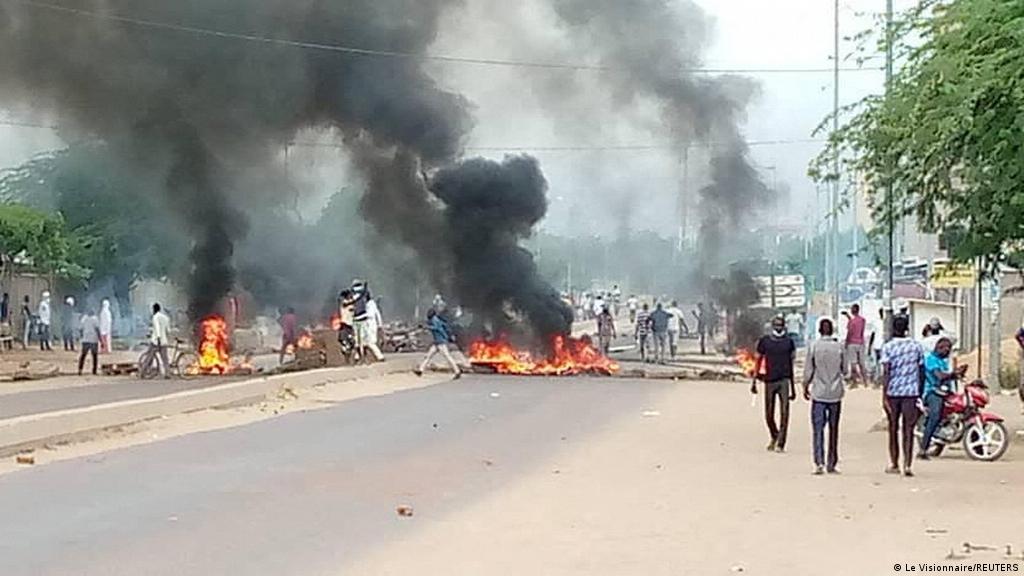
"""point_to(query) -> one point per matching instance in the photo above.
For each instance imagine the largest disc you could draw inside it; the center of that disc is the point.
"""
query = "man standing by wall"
(45, 320)
(777, 351)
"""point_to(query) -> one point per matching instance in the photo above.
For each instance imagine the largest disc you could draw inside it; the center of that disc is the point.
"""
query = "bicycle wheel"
(185, 364)
(148, 367)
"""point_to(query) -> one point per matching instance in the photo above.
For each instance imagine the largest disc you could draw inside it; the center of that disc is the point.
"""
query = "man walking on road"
(605, 330)
(441, 336)
(675, 323)
(659, 325)
(643, 330)
(855, 346)
(702, 325)
(90, 340)
(27, 322)
(777, 351)
(823, 386)
(902, 360)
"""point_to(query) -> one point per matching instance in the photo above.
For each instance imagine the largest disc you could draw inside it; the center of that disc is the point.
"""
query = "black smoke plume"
(489, 207)
(199, 111)
(205, 115)
(651, 49)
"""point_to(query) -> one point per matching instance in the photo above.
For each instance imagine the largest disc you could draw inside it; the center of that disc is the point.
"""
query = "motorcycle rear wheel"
(986, 442)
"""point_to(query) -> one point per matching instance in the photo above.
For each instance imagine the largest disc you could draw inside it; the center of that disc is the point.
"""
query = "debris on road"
(737, 568)
(25, 459)
(936, 531)
(651, 414)
(404, 510)
(495, 395)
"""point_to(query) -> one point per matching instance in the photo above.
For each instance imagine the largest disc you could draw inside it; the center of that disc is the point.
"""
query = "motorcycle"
(964, 419)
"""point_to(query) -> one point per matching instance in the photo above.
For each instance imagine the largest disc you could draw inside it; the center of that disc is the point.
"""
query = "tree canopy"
(120, 232)
(39, 240)
(949, 134)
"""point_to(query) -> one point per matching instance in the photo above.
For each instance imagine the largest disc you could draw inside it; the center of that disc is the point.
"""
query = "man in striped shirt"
(643, 330)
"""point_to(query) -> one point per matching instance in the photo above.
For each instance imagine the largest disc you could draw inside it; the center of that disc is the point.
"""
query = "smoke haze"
(206, 117)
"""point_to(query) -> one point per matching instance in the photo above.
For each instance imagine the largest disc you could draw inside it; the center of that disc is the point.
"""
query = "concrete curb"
(32, 430)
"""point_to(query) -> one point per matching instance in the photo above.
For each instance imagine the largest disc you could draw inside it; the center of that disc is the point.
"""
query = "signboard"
(954, 276)
(789, 291)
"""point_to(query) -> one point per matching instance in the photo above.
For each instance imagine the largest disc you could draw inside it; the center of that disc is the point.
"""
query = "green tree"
(122, 234)
(39, 241)
(948, 135)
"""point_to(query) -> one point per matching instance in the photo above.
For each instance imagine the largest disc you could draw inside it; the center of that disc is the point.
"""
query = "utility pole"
(684, 208)
(889, 188)
(834, 203)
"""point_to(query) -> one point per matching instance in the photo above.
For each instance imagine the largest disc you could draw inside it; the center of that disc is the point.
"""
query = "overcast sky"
(515, 108)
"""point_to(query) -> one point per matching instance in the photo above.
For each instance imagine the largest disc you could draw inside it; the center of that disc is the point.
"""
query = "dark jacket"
(659, 321)
(439, 330)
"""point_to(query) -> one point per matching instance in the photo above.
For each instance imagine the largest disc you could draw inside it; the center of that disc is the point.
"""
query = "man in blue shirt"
(939, 381)
(441, 334)
(902, 360)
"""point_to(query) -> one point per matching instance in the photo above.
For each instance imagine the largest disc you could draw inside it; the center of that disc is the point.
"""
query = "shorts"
(855, 356)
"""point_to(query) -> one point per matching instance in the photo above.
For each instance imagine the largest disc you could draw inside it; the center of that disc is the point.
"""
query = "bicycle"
(181, 359)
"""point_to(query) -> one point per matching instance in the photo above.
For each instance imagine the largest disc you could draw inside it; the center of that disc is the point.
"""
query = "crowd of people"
(658, 332)
(914, 377)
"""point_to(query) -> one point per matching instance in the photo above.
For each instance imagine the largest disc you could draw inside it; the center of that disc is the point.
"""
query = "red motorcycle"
(964, 419)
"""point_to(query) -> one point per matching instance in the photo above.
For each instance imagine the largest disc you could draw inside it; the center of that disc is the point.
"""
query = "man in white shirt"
(45, 318)
(675, 324)
(159, 339)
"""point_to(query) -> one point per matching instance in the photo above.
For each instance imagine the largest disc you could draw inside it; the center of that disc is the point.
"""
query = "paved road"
(298, 494)
(96, 392)
(69, 392)
(554, 476)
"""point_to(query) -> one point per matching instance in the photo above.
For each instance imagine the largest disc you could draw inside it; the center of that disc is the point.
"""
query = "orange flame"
(213, 346)
(747, 361)
(305, 341)
(335, 321)
(568, 356)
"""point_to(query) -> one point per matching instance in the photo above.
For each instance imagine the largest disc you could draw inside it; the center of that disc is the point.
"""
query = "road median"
(34, 430)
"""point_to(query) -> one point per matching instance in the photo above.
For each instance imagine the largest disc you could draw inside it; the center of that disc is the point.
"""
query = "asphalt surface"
(112, 390)
(90, 390)
(305, 493)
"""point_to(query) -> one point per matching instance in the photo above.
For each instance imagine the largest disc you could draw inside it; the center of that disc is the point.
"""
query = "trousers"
(903, 414)
(826, 414)
(777, 391)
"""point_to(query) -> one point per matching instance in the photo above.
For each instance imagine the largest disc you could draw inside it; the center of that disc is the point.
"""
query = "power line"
(517, 148)
(396, 54)
(587, 147)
